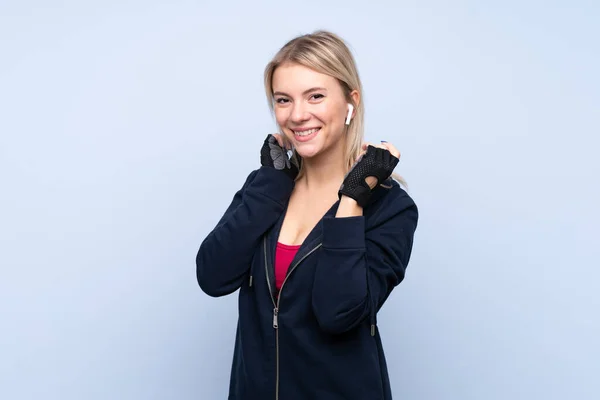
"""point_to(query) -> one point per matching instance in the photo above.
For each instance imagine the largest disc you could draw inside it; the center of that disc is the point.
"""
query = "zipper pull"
(275, 324)
(250, 281)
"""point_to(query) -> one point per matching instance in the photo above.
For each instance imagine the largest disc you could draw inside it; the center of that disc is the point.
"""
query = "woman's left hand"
(372, 181)
(374, 165)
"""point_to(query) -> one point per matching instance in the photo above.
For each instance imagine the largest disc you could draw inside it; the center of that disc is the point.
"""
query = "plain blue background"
(126, 127)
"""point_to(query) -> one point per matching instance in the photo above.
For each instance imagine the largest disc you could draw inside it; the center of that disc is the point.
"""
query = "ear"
(355, 96)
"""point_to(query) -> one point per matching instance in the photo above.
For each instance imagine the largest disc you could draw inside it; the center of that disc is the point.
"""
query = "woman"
(315, 242)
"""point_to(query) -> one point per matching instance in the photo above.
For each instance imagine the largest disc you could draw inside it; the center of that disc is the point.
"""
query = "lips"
(305, 135)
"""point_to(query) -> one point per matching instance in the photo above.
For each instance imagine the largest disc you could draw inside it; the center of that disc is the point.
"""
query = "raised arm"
(359, 266)
(357, 270)
(225, 254)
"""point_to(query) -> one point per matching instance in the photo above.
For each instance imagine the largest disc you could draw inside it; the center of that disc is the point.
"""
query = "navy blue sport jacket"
(318, 339)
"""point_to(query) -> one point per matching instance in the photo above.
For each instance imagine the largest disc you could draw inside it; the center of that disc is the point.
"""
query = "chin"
(306, 150)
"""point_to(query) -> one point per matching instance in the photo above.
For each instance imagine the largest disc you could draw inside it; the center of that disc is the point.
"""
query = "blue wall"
(126, 127)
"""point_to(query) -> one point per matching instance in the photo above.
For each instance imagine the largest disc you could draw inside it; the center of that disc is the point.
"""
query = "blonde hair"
(327, 53)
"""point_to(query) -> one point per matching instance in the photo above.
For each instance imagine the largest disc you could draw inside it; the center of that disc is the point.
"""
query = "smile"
(306, 132)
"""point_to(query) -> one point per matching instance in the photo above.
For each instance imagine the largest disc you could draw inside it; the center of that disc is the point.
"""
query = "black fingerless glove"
(274, 156)
(375, 162)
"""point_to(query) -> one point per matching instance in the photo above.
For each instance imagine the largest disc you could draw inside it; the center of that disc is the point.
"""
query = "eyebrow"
(305, 92)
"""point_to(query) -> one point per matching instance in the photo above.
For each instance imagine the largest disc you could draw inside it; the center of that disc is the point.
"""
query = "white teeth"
(306, 133)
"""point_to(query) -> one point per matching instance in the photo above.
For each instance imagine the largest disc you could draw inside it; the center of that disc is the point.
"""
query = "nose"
(299, 113)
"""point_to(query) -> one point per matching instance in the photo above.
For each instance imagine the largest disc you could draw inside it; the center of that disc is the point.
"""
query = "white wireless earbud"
(350, 111)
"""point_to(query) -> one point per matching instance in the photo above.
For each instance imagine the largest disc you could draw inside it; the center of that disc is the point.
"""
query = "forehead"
(295, 79)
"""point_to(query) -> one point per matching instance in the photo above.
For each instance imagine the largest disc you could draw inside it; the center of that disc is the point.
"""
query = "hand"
(372, 167)
(274, 154)
(371, 180)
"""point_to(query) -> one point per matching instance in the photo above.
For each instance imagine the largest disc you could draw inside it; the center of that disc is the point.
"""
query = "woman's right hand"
(274, 154)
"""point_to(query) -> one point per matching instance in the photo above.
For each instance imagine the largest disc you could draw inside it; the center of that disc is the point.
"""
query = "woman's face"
(310, 109)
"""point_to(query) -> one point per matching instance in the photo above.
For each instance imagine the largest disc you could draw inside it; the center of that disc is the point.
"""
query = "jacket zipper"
(276, 307)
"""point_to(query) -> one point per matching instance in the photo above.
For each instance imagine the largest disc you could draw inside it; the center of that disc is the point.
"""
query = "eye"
(281, 100)
(317, 96)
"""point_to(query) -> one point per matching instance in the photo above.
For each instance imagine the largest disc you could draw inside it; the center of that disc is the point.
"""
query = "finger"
(366, 145)
(279, 139)
(362, 152)
(377, 145)
(391, 148)
(283, 142)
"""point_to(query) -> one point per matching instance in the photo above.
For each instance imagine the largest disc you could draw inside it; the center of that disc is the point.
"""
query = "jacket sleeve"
(357, 270)
(225, 254)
